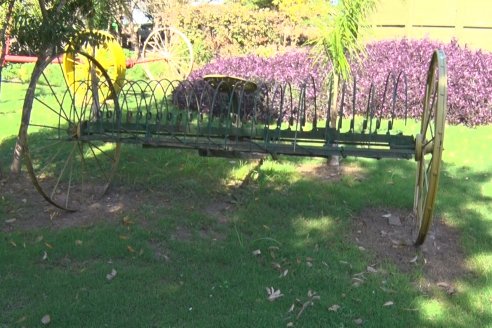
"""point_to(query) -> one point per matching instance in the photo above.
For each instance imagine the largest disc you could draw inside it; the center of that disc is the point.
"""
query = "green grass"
(178, 265)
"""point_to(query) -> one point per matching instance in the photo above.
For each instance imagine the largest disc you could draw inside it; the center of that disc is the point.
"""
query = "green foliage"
(17, 72)
(38, 29)
(234, 29)
(258, 3)
(303, 11)
(340, 33)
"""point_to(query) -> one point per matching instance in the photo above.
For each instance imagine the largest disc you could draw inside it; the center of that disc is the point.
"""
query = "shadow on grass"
(302, 208)
(299, 225)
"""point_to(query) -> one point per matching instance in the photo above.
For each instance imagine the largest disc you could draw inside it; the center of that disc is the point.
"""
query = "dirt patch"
(388, 233)
(327, 172)
(25, 209)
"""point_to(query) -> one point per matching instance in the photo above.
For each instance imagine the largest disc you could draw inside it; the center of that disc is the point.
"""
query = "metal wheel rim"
(430, 146)
(68, 171)
(172, 52)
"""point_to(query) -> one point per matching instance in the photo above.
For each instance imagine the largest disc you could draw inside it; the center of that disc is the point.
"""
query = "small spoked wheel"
(167, 54)
(429, 145)
(68, 135)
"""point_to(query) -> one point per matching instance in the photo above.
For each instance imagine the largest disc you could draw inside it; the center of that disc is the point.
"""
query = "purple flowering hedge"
(469, 78)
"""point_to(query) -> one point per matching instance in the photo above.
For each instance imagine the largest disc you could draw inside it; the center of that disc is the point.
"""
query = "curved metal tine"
(252, 116)
(369, 109)
(159, 94)
(192, 105)
(303, 108)
(315, 102)
(342, 103)
(405, 89)
(144, 103)
(230, 110)
(206, 104)
(180, 116)
(290, 103)
(124, 103)
(354, 102)
(395, 98)
(276, 106)
(272, 117)
(328, 111)
(383, 103)
(393, 106)
(299, 110)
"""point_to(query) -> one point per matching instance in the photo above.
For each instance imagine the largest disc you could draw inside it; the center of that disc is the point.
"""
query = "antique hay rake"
(74, 132)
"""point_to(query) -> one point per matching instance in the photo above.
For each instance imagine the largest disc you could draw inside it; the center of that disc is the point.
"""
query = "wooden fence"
(468, 21)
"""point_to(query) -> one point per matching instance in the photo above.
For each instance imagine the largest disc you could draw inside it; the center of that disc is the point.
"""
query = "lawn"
(180, 242)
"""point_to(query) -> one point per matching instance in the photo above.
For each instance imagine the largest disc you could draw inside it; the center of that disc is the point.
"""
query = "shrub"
(469, 78)
(232, 30)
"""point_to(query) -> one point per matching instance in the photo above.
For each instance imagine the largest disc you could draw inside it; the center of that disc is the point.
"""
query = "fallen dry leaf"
(13, 243)
(130, 249)
(78, 242)
(414, 259)
(273, 294)
(447, 287)
(256, 252)
(38, 239)
(45, 256)
(371, 269)
(387, 290)
(10, 220)
(48, 245)
(276, 266)
(389, 303)
(334, 308)
(394, 221)
(443, 284)
(292, 307)
(386, 216)
(110, 276)
(290, 324)
(358, 321)
(283, 274)
(46, 319)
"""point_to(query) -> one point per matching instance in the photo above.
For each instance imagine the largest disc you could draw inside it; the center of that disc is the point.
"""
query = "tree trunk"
(335, 159)
(3, 40)
(15, 166)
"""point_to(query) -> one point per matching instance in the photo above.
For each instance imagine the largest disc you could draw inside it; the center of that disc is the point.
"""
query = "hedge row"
(232, 30)
(469, 77)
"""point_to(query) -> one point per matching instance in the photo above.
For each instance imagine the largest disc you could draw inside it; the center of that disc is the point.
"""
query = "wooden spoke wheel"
(70, 155)
(429, 145)
(105, 49)
(167, 54)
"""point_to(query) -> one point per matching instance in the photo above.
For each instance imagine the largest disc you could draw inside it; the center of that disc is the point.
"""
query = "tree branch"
(42, 7)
